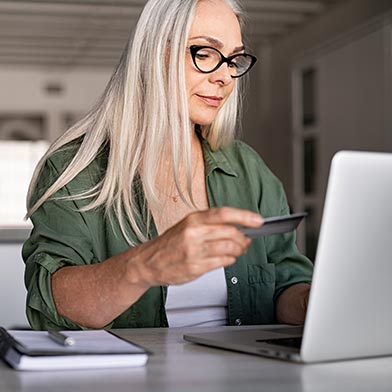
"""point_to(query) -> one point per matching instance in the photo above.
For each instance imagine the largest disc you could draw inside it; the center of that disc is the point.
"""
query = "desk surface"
(180, 366)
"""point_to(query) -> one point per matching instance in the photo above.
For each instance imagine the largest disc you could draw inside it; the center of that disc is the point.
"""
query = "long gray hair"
(144, 107)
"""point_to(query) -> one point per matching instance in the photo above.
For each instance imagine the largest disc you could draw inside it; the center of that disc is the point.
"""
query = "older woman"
(136, 208)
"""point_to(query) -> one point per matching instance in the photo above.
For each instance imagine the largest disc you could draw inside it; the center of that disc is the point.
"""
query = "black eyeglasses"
(208, 59)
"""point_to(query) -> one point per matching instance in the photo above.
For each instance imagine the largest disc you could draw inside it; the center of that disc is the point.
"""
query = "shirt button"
(238, 322)
(234, 280)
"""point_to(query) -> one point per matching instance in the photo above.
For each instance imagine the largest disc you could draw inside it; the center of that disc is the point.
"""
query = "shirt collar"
(215, 160)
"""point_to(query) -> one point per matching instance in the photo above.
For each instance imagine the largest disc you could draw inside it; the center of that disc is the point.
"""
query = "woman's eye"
(202, 56)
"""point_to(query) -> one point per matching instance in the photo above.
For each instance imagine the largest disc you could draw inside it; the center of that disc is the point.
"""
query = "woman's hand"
(201, 242)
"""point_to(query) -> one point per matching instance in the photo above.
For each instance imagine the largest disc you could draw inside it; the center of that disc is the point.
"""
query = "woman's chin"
(203, 121)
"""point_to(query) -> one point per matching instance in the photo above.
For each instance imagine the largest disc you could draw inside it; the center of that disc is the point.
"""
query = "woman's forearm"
(93, 295)
(292, 304)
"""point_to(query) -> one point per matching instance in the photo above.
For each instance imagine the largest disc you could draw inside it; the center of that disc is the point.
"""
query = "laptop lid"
(349, 314)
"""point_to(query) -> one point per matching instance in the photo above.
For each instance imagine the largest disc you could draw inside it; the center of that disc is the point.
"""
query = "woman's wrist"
(138, 274)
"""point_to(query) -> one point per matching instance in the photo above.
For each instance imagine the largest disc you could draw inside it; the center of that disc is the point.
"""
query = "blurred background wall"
(322, 83)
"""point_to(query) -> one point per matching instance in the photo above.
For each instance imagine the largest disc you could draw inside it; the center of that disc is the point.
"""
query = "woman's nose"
(221, 75)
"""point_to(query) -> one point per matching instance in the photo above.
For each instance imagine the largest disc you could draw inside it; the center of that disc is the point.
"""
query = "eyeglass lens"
(207, 59)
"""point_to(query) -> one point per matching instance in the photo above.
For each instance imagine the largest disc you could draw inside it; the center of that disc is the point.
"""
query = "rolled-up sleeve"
(40, 309)
(60, 237)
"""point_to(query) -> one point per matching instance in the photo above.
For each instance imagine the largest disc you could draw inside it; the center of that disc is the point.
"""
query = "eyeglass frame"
(195, 48)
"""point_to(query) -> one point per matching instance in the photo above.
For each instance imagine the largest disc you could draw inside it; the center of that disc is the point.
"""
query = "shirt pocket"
(261, 280)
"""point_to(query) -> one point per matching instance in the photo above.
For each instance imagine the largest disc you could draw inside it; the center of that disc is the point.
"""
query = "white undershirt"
(201, 302)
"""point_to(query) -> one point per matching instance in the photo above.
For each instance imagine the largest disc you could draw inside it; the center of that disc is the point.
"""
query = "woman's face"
(215, 25)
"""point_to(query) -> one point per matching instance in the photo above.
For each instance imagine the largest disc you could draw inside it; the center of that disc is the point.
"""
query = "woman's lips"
(210, 100)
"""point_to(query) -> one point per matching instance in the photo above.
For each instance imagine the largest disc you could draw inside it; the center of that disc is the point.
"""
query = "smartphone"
(275, 225)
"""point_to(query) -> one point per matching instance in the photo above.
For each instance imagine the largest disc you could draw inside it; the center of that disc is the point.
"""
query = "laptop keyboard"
(286, 342)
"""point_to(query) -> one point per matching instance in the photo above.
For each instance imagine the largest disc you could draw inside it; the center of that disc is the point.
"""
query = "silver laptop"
(349, 313)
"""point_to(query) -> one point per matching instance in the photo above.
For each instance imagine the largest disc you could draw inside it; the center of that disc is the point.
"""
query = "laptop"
(349, 312)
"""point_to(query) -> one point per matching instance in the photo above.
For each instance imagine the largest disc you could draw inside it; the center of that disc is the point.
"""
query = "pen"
(60, 338)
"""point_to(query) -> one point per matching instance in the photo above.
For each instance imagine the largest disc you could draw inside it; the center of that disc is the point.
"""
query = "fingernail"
(257, 219)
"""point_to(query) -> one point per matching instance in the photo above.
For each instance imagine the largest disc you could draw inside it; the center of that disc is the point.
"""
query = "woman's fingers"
(224, 248)
(226, 215)
(215, 224)
(197, 235)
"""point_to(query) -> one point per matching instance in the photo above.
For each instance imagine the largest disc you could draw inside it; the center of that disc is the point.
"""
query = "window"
(17, 162)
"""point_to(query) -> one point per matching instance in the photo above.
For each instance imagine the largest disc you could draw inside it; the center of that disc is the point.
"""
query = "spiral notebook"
(35, 350)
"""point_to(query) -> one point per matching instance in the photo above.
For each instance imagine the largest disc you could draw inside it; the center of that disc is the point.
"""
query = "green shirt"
(235, 176)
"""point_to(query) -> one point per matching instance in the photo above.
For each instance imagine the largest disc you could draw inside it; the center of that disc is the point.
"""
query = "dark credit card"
(275, 225)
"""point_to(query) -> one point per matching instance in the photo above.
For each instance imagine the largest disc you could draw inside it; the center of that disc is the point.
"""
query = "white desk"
(180, 366)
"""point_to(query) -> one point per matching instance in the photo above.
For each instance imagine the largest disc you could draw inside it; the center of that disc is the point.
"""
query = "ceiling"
(92, 33)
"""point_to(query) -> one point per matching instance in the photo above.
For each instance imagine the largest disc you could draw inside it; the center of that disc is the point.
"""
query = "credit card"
(275, 225)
